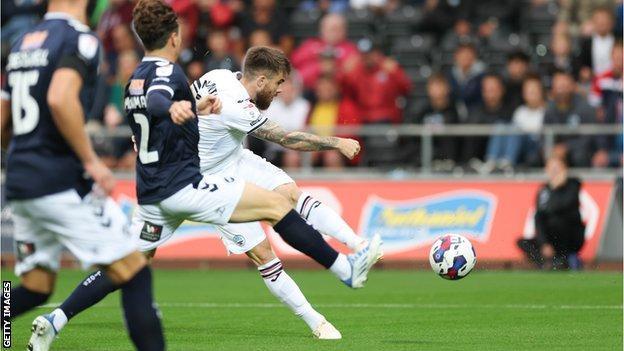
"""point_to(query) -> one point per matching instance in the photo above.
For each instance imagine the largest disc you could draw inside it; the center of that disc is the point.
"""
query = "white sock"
(59, 319)
(341, 268)
(327, 221)
(286, 290)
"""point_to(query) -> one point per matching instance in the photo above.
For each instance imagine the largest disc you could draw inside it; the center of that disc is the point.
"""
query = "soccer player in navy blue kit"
(51, 75)
(162, 113)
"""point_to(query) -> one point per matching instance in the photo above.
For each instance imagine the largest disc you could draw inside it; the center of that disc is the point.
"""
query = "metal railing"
(426, 133)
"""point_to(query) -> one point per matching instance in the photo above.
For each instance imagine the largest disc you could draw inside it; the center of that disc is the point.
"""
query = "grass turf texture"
(398, 310)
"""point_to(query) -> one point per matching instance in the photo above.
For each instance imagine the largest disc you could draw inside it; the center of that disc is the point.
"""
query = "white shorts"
(93, 228)
(239, 238)
(212, 201)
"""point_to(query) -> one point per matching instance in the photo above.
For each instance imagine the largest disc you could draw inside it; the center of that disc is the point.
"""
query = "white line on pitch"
(372, 305)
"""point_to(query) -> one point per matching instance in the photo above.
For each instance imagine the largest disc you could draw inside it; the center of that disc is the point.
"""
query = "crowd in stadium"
(521, 63)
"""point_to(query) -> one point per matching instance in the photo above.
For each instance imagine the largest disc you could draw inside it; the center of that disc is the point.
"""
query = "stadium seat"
(361, 24)
(401, 22)
(413, 51)
(304, 24)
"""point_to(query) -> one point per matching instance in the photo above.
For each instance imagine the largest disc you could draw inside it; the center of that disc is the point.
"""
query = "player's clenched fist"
(348, 147)
(181, 111)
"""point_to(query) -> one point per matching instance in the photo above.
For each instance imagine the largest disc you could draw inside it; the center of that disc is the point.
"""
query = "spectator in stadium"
(516, 70)
(607, 97)
(569, 108)
(119, 12)
(578, 13)
(290, 110)
(333, 39)
(559, 229)
(461, 33)
(264, 14)
(466, 75)
(123, 41)
(562, 59)
(596, 50)
(504, 151)
(218, 55)
(260, 37)
(325, 116)
(493, 110)
(375, 82)
(439, 110)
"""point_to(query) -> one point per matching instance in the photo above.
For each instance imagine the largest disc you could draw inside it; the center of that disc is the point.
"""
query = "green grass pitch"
(398, 310)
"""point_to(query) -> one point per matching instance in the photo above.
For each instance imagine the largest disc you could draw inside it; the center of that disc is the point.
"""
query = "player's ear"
(261, 81)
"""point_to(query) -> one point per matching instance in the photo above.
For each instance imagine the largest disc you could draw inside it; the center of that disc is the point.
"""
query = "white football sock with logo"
(327, 221)
(286, 290)
(59, 319)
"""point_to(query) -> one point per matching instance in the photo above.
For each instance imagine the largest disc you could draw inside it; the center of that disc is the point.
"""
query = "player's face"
(269, 91)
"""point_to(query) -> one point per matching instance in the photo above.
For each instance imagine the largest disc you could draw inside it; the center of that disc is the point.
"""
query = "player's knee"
(122, 270)
(291, 192)
(279, 207)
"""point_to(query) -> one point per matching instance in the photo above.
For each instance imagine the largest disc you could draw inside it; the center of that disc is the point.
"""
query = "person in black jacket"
(559, 230)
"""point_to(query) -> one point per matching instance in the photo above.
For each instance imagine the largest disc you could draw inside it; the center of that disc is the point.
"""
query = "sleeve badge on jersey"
(136, 86)
(87, 46)
(33, 40)
(164, 71)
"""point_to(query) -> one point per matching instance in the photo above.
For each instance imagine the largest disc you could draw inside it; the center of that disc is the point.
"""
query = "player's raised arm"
(302, 141)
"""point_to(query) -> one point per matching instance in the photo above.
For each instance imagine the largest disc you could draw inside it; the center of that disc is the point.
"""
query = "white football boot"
(362, 261)
(326, 331)
(43, 334)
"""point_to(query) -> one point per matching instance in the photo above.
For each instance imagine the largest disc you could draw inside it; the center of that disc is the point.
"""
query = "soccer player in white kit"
(170, 188)
(221, 150)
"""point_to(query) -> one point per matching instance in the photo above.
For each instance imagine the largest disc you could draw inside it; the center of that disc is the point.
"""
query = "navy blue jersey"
(168, 159)
(39, 161)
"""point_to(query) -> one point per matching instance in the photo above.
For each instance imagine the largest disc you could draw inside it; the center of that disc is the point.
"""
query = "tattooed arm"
(302, 141)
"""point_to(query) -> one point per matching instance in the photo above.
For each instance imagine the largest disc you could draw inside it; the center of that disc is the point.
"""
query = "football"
(452, 257)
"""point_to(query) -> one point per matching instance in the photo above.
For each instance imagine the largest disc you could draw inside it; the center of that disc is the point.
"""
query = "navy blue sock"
(90, 291)
(142, 318)
(303, 237)
(23, 300)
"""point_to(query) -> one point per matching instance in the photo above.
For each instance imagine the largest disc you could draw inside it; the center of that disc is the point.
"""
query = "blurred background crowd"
(508, 63)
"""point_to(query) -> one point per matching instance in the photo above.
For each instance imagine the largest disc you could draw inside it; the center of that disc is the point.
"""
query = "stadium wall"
(410, 215)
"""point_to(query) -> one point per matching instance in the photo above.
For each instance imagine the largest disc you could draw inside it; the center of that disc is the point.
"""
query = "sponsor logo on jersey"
(136, 86)
(135, 102)
(151, 232)
(408, 224)
(33, 40)
(87, 46)
(255, 121)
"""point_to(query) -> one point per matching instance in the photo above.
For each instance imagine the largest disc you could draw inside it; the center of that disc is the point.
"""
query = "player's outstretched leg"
(321, 216)
(327, 221)
(260, 204)
(281, 285)
(132, 275)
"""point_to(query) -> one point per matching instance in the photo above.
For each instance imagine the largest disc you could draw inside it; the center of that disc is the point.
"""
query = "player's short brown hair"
(265, 60)
(154, 21)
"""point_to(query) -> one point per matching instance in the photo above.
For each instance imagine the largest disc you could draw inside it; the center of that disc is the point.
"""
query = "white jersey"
(221, 136)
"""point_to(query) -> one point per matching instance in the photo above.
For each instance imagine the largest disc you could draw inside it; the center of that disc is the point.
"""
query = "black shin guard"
(303, 237)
